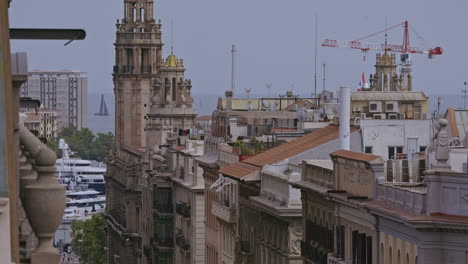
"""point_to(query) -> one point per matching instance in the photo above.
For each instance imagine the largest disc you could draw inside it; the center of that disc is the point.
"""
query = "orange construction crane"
(403, 48)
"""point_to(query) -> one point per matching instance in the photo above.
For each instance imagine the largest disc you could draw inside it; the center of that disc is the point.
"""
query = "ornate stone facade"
(153, 112)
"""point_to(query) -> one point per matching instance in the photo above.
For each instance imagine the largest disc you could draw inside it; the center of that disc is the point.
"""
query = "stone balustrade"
(43, 198)
(408, 198)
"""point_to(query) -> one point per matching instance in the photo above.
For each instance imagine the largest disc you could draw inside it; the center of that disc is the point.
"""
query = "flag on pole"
(363, 81)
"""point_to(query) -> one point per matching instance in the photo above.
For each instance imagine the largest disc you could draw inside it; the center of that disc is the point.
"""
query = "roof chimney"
(229, 100)
(345, 104)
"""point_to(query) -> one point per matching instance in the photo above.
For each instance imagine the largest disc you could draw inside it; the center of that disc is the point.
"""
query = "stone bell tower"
(386, 78)
(138, 52)
(171, 109)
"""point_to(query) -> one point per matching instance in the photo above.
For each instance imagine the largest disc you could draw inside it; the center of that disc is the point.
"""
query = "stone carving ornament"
(442, 144)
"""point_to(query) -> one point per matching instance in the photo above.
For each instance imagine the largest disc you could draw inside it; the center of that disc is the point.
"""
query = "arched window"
(407, 258)
(381, 254)
(399, 257)
(142, 14)
(390, 259)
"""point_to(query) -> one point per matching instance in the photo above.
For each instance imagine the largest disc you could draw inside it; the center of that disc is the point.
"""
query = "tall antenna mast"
(386, 35)
(172, 37)
(315, 74)
(324, 65)
(268, 86)
(233, 69)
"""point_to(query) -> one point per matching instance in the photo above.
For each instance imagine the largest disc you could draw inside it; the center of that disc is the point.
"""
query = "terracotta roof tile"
(206, 117)
(283, 129)
(238, 170)
(297, 146)
(355, 155)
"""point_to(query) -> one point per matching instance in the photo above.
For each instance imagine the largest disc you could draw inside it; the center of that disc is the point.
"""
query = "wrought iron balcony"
(245, 246)
(164, 241)
(163, 208)
(314, 252)
(182, 242)
(183, 209)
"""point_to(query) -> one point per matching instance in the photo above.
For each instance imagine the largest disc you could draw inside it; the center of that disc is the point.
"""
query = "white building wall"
(380, 134)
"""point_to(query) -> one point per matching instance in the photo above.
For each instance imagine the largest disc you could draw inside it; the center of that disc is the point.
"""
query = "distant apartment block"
(65, 92)
(43, 123)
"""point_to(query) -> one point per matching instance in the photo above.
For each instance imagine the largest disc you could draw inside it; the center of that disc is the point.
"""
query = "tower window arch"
(142, 14)
(390, 259)
(134, 14)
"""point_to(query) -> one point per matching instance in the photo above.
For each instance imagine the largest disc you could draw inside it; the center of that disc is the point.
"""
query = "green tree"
(84, 143)
(89, 239)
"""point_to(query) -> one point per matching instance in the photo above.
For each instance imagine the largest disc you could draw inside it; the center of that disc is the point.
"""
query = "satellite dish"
(301, 115)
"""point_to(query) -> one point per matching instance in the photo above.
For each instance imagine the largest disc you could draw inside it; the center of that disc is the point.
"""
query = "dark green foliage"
(89, 239)
(85, 143)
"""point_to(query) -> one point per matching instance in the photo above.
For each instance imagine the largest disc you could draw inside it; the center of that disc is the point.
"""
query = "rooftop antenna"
(386, 35)
(464, 95)
(172, 37)
(233, 69)
(268, 86)
(324, 65)
(248, 91)
(315, 60)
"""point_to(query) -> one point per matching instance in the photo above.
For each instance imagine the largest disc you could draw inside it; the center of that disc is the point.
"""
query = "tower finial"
(386, 35)
(172, 37)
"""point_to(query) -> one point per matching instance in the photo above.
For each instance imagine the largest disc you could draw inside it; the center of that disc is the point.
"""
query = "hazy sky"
(274, 38)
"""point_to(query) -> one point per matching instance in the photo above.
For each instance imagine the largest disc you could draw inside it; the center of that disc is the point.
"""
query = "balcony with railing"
(162, 208)
(224, 211)
(245, 247)
(182, 242)
(183, 209)
(314, 252)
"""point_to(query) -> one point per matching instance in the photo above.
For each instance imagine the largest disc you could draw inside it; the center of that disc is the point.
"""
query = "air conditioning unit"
(391, 107)
(392, 116)
(401, 116)
(375, 107)
(356, 109)
(379, 116)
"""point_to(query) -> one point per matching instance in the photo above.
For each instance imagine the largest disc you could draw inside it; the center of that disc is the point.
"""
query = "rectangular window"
(393, 151)
(368, 150)
(422, 148)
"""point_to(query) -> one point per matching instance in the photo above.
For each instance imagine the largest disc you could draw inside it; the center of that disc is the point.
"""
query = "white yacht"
(82, 204)
(76, 173)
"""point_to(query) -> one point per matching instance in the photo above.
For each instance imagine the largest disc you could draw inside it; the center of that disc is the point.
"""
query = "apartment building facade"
(65, 92)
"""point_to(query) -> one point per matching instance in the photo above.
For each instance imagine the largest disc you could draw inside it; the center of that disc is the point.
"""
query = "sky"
(275, 40)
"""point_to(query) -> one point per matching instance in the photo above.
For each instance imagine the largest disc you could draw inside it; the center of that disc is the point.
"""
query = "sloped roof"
(238, 170)
(355, 155)
(308, 103)
(296, 146)
(389, 96)
(283, 151)
(205, 117)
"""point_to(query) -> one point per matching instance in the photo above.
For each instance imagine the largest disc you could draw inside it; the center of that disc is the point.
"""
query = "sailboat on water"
(103, 108)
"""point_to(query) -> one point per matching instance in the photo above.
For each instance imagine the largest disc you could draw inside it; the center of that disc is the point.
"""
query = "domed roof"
(172, 61)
